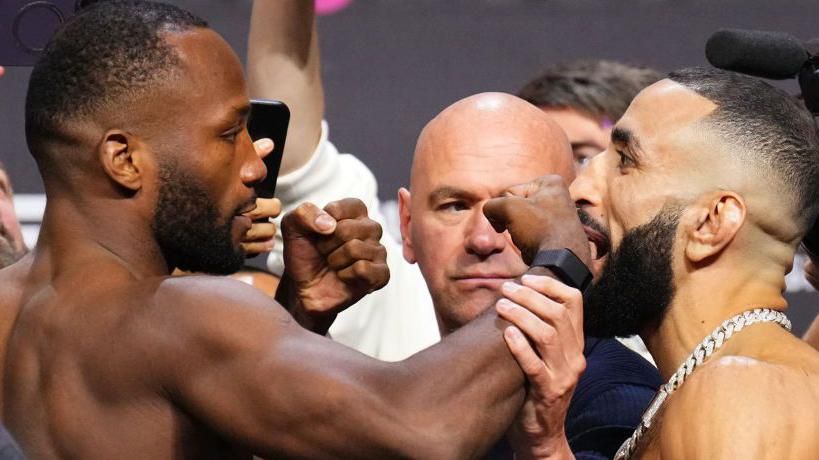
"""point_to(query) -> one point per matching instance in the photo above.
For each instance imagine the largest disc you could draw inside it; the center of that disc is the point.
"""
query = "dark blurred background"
(390, 65)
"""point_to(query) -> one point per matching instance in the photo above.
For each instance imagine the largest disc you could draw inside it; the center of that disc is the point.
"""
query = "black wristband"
(566, 266)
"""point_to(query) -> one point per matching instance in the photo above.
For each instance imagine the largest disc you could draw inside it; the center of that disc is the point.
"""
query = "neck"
(706, 299)
(73, 232)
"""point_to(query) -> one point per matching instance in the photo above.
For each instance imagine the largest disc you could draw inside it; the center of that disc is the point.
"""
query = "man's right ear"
(404, 202)
(122, 159)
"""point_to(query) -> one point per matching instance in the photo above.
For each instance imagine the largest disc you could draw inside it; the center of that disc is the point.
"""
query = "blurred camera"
(26, 26)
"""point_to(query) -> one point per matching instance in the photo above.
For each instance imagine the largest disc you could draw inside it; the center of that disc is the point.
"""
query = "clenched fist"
(539, 215)
(332, 258)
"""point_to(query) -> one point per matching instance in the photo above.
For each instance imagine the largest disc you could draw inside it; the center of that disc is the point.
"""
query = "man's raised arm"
(283, 64)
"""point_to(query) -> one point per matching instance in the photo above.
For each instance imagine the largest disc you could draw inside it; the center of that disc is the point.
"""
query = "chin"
(462, 309)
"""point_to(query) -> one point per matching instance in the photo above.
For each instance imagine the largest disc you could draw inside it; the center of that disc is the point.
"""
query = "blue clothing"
(610, 397)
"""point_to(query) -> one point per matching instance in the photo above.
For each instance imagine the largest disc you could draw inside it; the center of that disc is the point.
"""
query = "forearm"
(287, 297)
(468, 388)
(283, 64)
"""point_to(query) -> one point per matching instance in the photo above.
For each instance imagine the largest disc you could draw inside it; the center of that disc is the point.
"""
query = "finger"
(499, 212)
(370, 275)
(256, 248)
(2, 71)
(266, 208)
(544, 335)
(307, 220)
(263, 147)
(260, 231)
(364, 229)
(348, 208)
(533, 312)
(355, 250)
(531, 364)
(554, 289)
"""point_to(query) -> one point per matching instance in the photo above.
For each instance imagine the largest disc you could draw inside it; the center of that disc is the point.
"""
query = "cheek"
(435, 244)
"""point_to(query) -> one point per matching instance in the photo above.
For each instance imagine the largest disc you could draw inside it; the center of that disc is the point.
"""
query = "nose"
(586, 189)
(253, 168)
(481, 239)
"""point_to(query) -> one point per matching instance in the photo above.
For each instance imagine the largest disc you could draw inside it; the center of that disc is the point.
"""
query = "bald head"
(471, 152)
(492, 124)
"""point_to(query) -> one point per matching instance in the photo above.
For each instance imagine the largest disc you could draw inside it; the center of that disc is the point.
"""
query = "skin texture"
(481, 148)
(177, 367)
(735, 243)
(586, 135)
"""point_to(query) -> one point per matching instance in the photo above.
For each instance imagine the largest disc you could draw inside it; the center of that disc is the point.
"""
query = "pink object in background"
(327, 7)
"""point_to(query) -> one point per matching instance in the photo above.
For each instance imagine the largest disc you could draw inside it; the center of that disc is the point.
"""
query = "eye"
(453, 206)
(625, 160)
(230, 136)
(581, 160)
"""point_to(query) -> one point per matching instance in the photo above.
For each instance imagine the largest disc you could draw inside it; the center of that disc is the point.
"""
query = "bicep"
(261, 380)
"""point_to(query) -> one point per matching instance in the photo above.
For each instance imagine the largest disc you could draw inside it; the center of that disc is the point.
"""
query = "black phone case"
(269, 119)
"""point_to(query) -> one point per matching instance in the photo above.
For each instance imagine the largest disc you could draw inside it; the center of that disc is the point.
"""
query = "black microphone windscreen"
(773, 55)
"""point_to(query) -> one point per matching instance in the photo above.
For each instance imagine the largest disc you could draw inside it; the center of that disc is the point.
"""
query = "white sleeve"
(394, 322)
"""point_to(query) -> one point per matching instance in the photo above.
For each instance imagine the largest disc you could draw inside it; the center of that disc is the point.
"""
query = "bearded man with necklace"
(703, 195)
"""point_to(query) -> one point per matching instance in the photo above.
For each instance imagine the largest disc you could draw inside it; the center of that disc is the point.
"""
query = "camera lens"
(34, 24)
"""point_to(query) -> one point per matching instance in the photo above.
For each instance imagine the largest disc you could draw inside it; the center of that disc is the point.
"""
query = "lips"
(600, 241)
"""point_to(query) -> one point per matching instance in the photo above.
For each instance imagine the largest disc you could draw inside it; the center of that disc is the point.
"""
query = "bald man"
(473, 151)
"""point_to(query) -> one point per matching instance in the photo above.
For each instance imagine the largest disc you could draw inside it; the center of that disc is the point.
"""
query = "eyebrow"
(620, 135)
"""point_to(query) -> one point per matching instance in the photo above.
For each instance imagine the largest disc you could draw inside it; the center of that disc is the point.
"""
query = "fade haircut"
(602, 89)
(771, 129)
(111, 53)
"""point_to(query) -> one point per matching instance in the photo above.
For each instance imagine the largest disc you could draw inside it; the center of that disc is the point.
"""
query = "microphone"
(774, 55)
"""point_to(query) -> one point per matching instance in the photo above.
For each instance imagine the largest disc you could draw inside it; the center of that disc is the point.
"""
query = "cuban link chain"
(709, 345)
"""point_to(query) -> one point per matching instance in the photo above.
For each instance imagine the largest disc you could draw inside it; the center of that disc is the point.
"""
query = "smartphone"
(26, 26)
(269, 119)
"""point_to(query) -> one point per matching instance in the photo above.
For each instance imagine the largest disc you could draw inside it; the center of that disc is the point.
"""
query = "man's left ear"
(716, 221)
(121, 158)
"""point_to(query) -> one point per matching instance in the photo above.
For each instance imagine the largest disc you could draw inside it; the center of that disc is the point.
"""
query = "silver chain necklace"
(709, 345)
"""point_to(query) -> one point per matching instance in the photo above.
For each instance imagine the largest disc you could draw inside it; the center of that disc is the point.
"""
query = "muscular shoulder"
(740, 407)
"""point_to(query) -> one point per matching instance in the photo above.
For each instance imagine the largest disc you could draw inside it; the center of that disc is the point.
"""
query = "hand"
(332, 258)
(259, 238)
(539, 215)
(550, 315)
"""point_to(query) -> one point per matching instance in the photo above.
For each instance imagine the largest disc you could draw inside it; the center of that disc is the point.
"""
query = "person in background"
(283, 63)
(474, 151)
(586, 98)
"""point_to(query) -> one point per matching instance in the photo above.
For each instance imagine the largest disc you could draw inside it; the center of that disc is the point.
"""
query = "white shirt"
(394, 322)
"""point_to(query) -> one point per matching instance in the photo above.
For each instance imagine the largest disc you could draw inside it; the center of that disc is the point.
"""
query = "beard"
(188, 229)
(636, 285)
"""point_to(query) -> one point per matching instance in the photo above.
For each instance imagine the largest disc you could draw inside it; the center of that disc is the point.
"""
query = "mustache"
(592, 223)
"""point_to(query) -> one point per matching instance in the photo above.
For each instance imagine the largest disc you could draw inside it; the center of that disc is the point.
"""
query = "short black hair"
(772, 128)
(600, 88)
(112, 51)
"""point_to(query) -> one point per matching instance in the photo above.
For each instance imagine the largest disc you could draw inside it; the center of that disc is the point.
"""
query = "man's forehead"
(665, 108)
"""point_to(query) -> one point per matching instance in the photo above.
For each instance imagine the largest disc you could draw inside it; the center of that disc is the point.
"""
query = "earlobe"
(404, 202)
(715, 224)
(119, 156)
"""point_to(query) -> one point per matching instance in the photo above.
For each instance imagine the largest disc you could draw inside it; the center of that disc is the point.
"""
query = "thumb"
(307, 220)
(263, 147)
